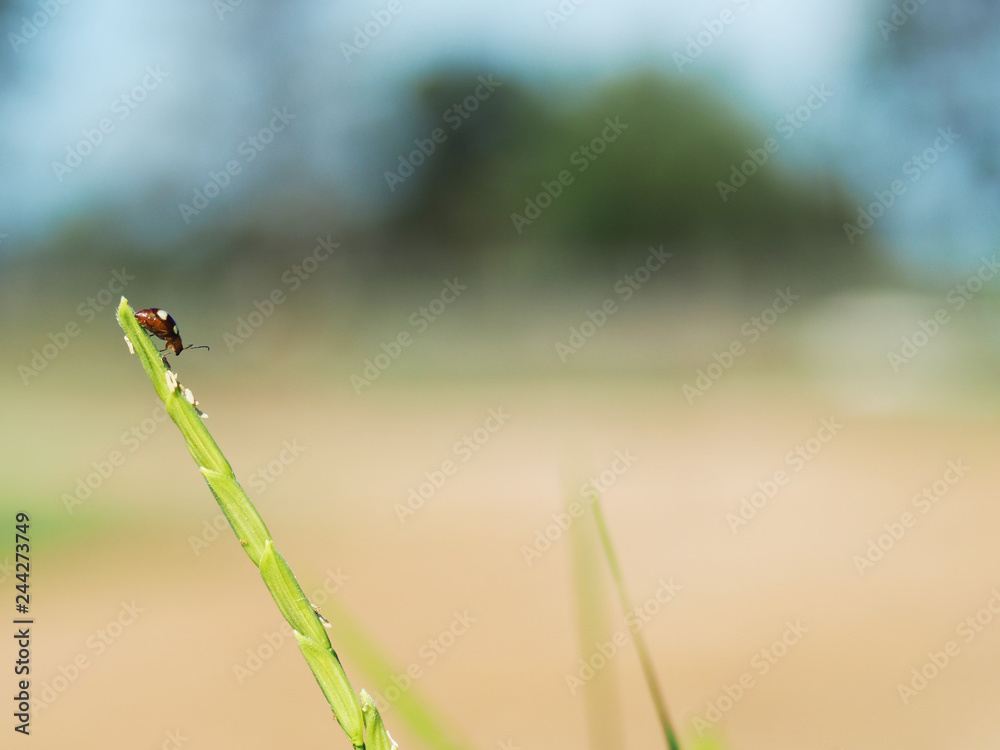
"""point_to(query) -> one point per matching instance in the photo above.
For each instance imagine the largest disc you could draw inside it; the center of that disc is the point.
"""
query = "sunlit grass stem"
(359, 720)
(640, 643)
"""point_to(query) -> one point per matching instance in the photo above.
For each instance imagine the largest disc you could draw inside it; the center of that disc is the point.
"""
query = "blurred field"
(732, 267)
(331, 511)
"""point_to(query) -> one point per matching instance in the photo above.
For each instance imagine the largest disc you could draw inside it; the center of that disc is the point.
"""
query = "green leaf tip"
(377, 736)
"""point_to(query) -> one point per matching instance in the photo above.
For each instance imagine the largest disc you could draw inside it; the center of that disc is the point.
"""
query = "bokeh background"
(732, 265)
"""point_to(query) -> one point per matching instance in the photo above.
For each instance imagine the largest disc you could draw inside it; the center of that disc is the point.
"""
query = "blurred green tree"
(644, 160)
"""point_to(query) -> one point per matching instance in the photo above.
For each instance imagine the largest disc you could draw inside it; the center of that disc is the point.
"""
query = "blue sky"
(218, 69)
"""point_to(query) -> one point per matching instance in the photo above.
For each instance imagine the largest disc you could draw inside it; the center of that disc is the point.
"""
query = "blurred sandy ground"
(170, 672)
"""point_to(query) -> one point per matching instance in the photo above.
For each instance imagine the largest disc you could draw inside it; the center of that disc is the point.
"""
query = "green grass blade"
(601, 695)
(254, 537)
(378, 736)
(425, 723)
(640, 642)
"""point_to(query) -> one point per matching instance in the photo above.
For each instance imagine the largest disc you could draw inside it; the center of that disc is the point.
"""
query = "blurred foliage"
(657, 182)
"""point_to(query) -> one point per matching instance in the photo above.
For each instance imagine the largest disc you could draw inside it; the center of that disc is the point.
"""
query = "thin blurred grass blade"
(708, 742)
(424, 721)
(601, 694)
(640, 642)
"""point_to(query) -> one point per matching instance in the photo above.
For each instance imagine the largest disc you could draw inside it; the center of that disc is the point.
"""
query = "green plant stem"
(602, 697)
(640, 643)
(256, 540)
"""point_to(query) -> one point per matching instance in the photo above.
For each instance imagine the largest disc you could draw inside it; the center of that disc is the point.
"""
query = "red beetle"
(161, 324)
